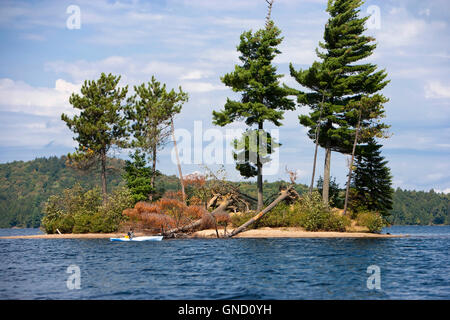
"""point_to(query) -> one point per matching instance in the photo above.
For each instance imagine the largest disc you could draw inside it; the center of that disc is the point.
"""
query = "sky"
(46, 55)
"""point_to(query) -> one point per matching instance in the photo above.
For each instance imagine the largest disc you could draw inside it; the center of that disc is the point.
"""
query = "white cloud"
(18, 96)
(401, 29)
(297, 51)
(195, 75)
(201, 87)
(437, 90)
(137, 70)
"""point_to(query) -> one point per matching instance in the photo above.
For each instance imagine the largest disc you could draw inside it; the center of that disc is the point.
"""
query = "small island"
(211, 234)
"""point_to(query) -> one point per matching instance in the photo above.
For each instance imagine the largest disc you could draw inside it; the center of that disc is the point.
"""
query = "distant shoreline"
(211, 233)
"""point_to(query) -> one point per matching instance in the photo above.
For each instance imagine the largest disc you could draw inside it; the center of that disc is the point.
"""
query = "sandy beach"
(211, 233)
(290, 233)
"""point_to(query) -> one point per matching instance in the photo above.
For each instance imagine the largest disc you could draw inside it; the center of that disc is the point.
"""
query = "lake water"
(416, 267)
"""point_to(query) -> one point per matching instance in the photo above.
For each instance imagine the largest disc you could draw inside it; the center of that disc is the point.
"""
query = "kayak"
(148, 238)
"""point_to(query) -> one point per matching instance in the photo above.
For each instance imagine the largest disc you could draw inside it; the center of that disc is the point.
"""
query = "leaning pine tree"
(337, 81)
(263, 99)
(372, 180)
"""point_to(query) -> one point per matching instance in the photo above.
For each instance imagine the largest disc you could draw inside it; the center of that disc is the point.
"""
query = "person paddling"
(130, 234)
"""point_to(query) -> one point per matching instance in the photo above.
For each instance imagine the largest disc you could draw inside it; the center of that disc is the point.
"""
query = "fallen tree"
(284, 194)
(225, 202)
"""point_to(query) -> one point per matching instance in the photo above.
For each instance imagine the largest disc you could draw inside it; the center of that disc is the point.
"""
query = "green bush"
(372, 220)
(309, 213)
(238, 220)
(79, 211)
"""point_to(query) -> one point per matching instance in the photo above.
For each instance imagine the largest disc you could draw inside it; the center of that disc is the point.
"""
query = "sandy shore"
(211, 233)
(291, 233)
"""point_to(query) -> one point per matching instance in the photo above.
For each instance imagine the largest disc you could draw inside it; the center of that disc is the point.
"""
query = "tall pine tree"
(101, 123)
(263, 98)
(337, 81)
(151, 110)
(372, 180)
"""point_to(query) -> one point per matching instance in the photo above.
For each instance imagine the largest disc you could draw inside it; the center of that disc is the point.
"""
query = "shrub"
(239, 219)
(164, 214)
(309, 213)
(79, 211)
(372, 220)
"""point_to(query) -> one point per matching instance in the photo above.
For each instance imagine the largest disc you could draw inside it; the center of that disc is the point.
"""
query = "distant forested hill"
(25, 186)
(419, 207)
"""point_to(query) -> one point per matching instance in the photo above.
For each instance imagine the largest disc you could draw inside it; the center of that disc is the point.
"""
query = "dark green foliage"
(371, 181)
(372, 220)
(253, 144)
(25, 186)
(337, 83)
(151, 110)
(80, 211)
(262, 97)
(138, 177)
(100, 123)
(419, 207)
(309, 213)
(336, 195)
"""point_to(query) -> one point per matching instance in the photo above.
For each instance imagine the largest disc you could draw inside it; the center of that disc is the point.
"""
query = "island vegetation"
(88, 192)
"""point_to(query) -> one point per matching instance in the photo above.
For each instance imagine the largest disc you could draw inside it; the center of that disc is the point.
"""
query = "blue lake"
(416, 267)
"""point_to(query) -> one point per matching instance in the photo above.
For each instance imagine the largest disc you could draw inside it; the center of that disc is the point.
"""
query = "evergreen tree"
(336, 199)
(138, 176)
(100, 124)
(253, 146)
(372, 181)
(336, 81)
(151, 110)
(263, 99)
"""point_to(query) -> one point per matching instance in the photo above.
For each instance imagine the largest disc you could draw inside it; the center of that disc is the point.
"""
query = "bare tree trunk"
(350, 169)
(269, 11)
(103, 174)
(215, 224)
(284, 194)
(152, 179)
(326, 175)
(311, 186)
(178, 161)
(259, 168)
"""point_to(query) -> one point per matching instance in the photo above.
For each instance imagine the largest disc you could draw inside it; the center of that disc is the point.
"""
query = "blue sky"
(192, 43)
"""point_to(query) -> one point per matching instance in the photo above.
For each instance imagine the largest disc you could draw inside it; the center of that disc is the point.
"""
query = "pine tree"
(372, 180)
(138, 176)
(151, 110)
(263, 99)
(336, 81)
(100, 124)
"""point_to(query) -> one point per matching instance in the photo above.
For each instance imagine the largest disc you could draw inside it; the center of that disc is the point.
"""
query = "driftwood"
(289, 192)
